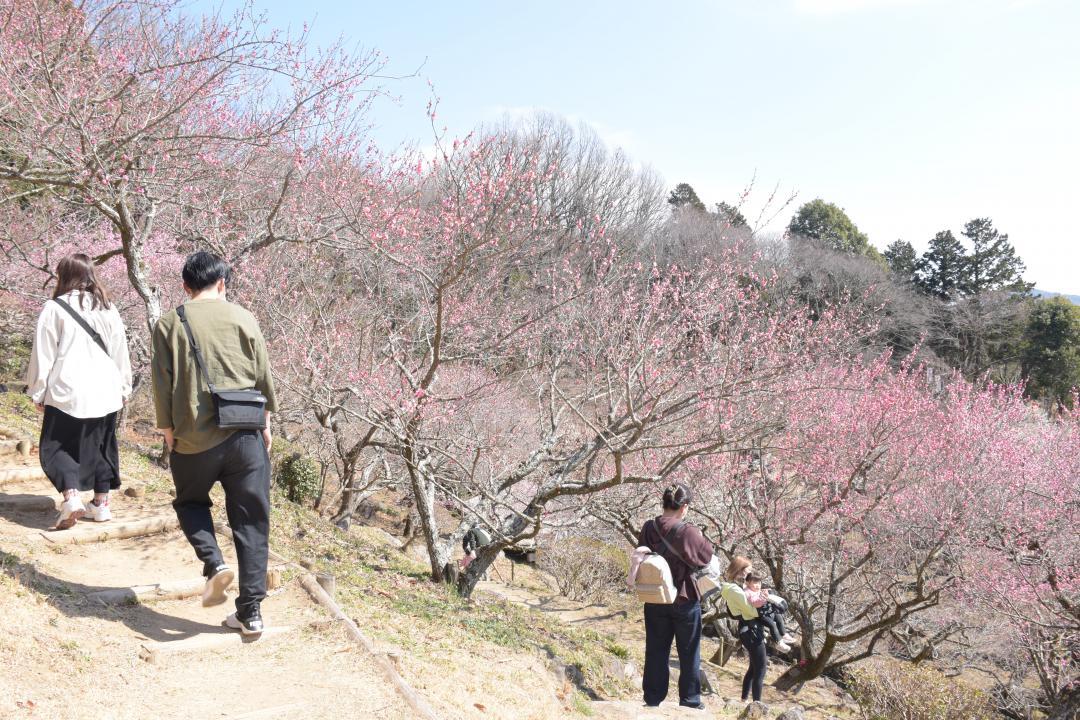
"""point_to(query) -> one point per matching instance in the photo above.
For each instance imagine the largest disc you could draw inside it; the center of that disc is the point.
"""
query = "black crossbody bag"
(83, 324)
(234, 409)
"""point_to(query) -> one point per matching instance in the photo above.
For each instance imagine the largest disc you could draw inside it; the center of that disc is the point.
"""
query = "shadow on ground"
(71, 599)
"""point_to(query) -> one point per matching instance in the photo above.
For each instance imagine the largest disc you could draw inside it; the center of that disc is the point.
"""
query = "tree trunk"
(354, 493)
(424, 496)
(814, 667)
(132, 243)
(485, 557)
(512, 531)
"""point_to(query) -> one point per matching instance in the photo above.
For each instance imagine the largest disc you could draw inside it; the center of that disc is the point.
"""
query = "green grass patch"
(401, 605)
(18, 414)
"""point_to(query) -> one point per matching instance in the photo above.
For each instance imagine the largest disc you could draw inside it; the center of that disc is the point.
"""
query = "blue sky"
(913, 115)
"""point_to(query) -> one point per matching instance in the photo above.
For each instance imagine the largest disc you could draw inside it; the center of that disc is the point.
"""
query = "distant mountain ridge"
(1074, 299)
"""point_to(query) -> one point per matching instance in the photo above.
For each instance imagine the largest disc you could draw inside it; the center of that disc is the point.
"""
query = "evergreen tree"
(941, 267)
(731, 215)
(1050, 353)
(683, 196)
(992, 263)
(829, 224)
(902, 261)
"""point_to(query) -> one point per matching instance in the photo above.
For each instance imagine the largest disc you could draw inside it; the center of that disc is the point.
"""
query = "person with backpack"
(686, 550)
(751, 628)
(79, 378)
(213, 393)
(476, 538)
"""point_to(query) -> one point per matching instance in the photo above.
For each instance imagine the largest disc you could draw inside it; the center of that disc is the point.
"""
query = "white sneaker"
(788, 638)
(99, 513)
(70, 511)
(214, 591)
(783, 647)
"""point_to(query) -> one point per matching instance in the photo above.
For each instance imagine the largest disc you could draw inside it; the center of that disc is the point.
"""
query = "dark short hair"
(677, 495)
(753, 578)
(202, 269)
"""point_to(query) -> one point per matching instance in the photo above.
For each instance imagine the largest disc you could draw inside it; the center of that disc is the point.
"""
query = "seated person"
(770, 610)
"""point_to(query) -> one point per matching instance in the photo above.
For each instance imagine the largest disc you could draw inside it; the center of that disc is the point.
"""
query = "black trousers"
(79, 453)
(664, 623)
(752, 637)
(242, 466)
(773, 619)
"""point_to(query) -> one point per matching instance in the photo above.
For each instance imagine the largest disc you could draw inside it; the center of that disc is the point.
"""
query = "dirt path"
(75, 645)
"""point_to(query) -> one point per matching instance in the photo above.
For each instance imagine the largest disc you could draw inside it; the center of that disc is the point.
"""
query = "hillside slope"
(111, 627)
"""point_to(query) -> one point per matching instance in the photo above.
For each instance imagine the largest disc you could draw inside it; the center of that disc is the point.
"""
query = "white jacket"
(69, 371)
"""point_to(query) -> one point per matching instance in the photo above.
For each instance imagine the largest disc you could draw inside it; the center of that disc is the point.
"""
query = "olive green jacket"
(235, 353)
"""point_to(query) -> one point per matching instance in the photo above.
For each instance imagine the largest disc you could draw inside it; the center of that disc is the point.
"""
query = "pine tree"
(941, 267)
(902, 261)
(992, 263)
(731, 215)
(683, 196)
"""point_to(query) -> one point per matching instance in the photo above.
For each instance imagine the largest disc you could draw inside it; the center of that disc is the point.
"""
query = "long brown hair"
(737, 568)
(76, 272)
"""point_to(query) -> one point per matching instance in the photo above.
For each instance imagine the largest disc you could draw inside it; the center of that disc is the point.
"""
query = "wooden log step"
(158, 652)
(174, 590)
(29, 503)
(10, 475)
(86, 533)
(15, 447)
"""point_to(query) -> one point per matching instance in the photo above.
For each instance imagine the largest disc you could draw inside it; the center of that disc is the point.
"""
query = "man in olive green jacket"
(202, 454)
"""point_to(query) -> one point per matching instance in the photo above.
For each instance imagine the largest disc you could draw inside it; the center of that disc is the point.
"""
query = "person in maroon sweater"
(680, 621)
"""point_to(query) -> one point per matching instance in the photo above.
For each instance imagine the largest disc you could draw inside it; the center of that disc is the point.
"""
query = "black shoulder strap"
(199, 364)
(85, 325)
(668, 545)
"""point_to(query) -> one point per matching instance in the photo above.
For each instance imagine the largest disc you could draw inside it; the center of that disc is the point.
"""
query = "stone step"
(12, 446)
(159, 652)
(28, 502)
(11, 475)
(10, 434)
(85, 533)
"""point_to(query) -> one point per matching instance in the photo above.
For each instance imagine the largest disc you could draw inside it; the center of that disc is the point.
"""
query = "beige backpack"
(650, 575)
(652, 582)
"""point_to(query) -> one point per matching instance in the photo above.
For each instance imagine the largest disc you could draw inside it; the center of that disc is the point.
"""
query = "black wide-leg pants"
(79, 453)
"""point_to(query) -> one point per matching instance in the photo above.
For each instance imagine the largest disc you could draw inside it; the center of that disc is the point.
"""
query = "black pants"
(752, 637)
(664, 623)
(773, 619)
(79, 453)
(242, 466)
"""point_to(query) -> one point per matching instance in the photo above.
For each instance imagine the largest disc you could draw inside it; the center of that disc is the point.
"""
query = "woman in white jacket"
(80, 377)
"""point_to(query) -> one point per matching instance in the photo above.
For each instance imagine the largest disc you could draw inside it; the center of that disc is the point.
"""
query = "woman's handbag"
(235, 409)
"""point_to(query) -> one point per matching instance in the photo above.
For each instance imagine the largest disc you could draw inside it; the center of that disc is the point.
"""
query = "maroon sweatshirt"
(688, 542)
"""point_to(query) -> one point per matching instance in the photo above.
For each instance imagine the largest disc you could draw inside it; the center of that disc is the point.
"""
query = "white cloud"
(831, 7)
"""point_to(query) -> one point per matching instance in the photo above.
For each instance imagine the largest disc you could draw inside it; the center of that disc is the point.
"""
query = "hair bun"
(676, 495)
